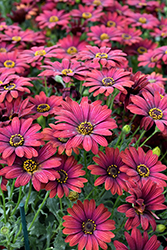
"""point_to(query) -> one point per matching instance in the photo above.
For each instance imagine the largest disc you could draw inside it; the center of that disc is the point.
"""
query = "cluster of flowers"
(93, 43)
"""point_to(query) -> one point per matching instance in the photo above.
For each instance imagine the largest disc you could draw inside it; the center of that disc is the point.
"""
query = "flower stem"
(61, 207)
(4, 208)
(28, 197)
(149, 137)
(142, 134)
(18, 201)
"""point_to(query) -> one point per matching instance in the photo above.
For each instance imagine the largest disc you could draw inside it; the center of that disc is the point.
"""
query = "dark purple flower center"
(9, 86)
(113, 171)
(108, 81)
(111, 24)
(72, 50)
(101, 55)
(141, 50)
(126, 36)
(63, 176)
(139, 206)
(43, 107)
(156, 113)
(16, 140)
(86, 15)
(30, 165)
(85, 128)
(88, 226)
(66, 71)
(9, 64)
(143, 170)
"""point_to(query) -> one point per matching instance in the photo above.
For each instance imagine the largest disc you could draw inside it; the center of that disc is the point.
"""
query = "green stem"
(12, 188)
(39, 209)
(119, 139)
(19, 232)
(163, 156)
(61, 207)
(90, 193)
(46, 87)
(142, 134)
(4, 208)
(148, 138)
(18, 201)
(115, 93)
(115, 204)
(28, 196)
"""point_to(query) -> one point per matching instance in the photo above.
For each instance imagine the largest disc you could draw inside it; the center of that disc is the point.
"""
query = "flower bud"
(73, 196)
(59, 79)
(156, 151)
(160, 228)
(126, 129)
(4, 230)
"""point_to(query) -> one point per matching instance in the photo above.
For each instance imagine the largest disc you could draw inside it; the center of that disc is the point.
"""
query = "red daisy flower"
(67, 69)
(137, 242)
(88, 225)
(84, 123)
(43, 105)
(156, 78)
(140, 166)
(5, 47)
(102, 35)
(88, 13)
(113, 20)
(70, 45)
(161, 52)
(130, 35)
(144, 198)
(100, 3)
(11, 63)
(109, 170)
(52, 18)
(150, 58)
(69, 172)
(39, 169)
(19, 139)
(105, 81)
(105, 56)
(153, 108)
(13, 86)
(146, 21)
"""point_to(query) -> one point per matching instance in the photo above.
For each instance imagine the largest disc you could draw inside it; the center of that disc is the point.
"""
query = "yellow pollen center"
(142, 20)
(85, 128)
(66, 71)
(64, 140)
(72, 50)
(104, 36)
(101, 55)
(63, 176)
(156, 113)
(164, 34)
(113, 171)
(9, 64)
(53, 19)
(97, 2)
(1, 82)
(126, 36)
(141, 50)
(111, 24)
(16, 38)
(30, 166)
(161, 96)
(143, 170)
(108, 81)
(88, 226)
(86, 15)
(16, 140)
(2, 50)
(41, 52)
(165, 51)
(43, 107)
(154, 59)
(9, 86)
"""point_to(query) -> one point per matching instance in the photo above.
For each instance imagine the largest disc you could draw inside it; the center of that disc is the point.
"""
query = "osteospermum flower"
(39, 169)
(146, 21)
(88, 225)
(106, 80)
(19, 139)
(5, 47)
(130, 35)
(70, 172)
(86, 124)
(140, 166)
(100, 3)
(113, 20)
(156, 78)
(144, 198)
(150, 58)
(108, 167)
(137, 242)
(152, 108)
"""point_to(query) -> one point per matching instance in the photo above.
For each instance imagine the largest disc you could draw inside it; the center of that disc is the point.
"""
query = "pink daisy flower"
(146, 21)
(151, 59)
(88, 225)
(130, 35)
(100, 3)
(113, 20)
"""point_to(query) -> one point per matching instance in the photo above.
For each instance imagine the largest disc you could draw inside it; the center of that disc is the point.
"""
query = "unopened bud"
(126, 129)
(160, 228)
(59, 79)
(4, 230)
(156, 151)
(73, 196)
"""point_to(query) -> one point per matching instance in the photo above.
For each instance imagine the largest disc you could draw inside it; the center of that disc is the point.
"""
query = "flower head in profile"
(137, 242)
(39, 169)
(145, 197)
(85, 124)
(70, 172)
(19, 139)
(88, 225)
(109, 170)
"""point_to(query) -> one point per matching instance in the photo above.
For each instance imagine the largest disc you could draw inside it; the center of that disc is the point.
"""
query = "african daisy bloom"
(53, 18)
(85, 123)
(113, 20)
(152, 108)
(150, 58)
(5, 47)
(140, 166)
(19, 139)
(156, 78)
(130, 35)
(137, 242)
(70, 172)
(100, 3)
(144, 198)
(108, 167)
(106, 80)
(88, 225)
(39, 169)
(146, 21)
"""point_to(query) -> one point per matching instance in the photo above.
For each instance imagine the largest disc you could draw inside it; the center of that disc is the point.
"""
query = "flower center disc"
(9, 86)
(113, 171)
(101, 55)
(104, 36)
(64, 140)
(108, 81)
(111, 24)
(86, 15)
(89, 226)
(30, 165)
(66, 71)
(16, 140)
(43, 107)
(141, 50)
(16, 38)
(9, 64)
(3, 50)
(143, 170)
(41, 52)
(142, 20)
(97, 2)
(63, 176)
(156, 113)
(72, 50)
(85, 128)
(53, 19)
(126, 36)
